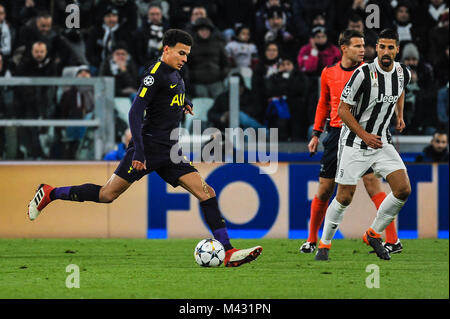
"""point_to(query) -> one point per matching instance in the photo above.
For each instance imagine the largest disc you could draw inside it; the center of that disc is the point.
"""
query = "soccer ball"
(209, 253)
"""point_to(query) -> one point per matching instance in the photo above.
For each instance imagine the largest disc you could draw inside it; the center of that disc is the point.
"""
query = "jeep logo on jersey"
(148, 80)
(387, 98)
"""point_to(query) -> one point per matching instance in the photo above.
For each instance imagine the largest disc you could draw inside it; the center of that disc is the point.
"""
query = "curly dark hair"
(174, 36)
(389, 34)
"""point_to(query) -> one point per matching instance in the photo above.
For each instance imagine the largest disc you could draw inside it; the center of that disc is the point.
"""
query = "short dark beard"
(386, 64)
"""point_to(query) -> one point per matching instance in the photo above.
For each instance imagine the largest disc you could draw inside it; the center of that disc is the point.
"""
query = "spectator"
(276, 30)
(438, 39)
(76, 103)
(197, 13)
(441, 68)
(355, 22)
(43, 97)
(290, 84)
(121, 148)
(318, 54)
(121, 66)
(155, 16)
(233, 13)
(303, 12)
(348, 8)
(261, 15)
(73, 39)
(370, 53)
(249, 110)
(442, 106)
(267, 65)
(8, 150)
(437, 151)
(102, 40)
(420, 93)
(320, 18)
(312, 58)
(5, 35)
(41, 29)
(150, 36)
(241, 52)
(406, 29)
(208, 64)
(127, 13)
(428, 13)
(39, 64)
(29, 9)
(182, 12)
(5, 111)
(143, 6)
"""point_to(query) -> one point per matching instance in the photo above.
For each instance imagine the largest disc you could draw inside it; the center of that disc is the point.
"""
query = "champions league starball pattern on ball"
(209, 253)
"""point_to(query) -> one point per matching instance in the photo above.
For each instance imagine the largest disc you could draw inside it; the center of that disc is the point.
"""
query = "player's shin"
(215, 221)
(333, 217)
(388, 210)
(391, 231)
(81, 193)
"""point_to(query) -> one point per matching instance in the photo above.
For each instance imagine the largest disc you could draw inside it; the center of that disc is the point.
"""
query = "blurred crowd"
(278, 49)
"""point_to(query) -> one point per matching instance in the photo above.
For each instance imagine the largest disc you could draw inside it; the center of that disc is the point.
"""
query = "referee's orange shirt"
(332, 82)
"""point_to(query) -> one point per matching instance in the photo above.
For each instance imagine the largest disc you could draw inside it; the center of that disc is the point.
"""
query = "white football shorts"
(353, 163)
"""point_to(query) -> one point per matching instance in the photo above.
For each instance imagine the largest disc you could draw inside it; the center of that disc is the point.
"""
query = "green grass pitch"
(140, 268)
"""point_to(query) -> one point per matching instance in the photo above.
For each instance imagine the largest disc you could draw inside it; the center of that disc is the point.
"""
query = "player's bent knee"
(208, 192)
(324, 195)
(345, 197)
(212, 193)
(403, 192)
(107, 197)
(345, 201)
(326, 189)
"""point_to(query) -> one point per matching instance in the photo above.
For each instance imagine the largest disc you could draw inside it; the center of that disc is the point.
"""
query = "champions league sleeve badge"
(148, 80)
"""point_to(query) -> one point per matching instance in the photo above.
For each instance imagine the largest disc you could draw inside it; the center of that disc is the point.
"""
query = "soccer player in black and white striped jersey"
(372, 95)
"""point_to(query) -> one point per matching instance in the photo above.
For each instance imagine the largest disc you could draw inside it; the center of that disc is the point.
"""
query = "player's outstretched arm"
(372, 140)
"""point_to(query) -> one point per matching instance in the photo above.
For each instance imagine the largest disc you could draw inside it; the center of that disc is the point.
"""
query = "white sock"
(387, 211)
(333, 217)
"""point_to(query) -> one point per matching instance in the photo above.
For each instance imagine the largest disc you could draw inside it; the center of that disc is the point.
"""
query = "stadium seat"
(122, 106)
(201, 108)
(67, 72)
(247, 75)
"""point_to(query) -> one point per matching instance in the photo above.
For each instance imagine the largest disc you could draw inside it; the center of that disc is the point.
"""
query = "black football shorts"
(158, 160)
